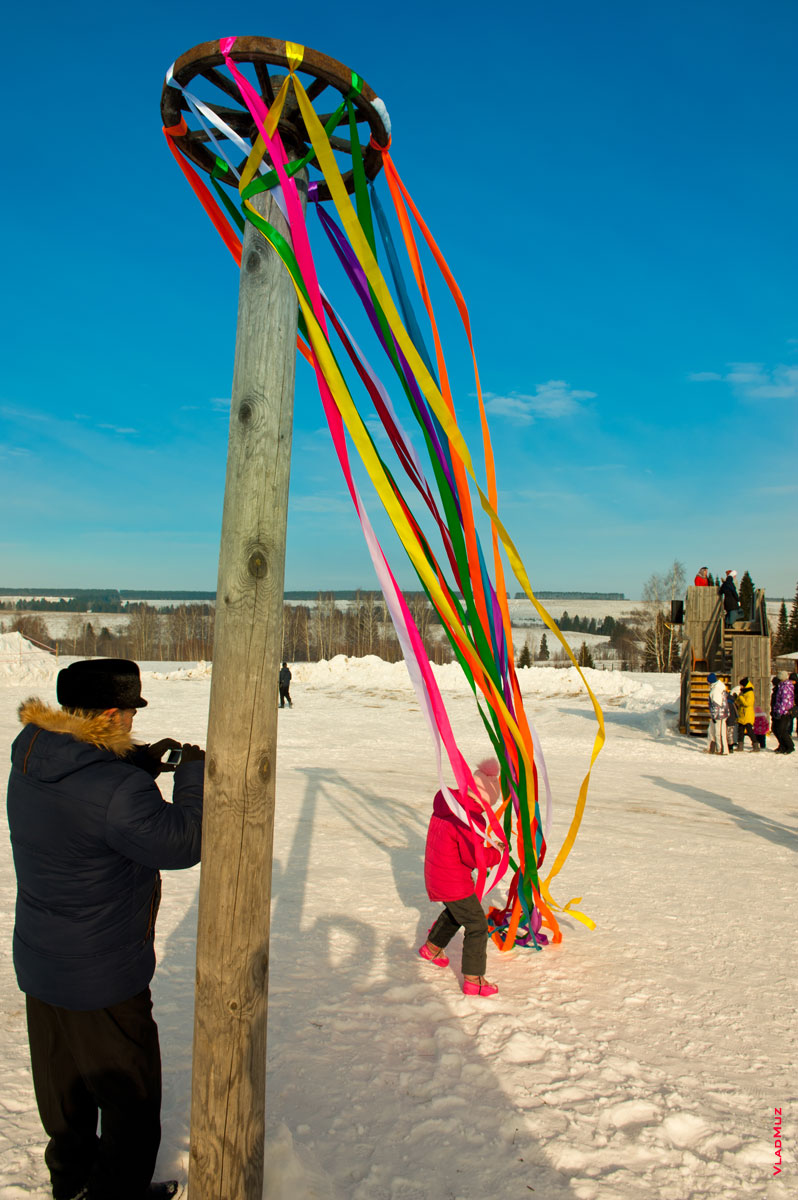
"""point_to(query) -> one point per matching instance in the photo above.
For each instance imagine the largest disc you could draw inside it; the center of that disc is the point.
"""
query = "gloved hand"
(149, 757)
(191, 754)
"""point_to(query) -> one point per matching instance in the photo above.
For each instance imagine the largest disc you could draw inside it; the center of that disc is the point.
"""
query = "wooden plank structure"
(731, 653)
(229, 1069)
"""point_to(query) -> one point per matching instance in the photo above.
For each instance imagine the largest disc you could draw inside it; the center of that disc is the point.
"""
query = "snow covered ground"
(644, 1059)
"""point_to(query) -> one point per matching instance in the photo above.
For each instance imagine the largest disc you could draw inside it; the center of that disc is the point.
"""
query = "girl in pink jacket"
(449, 860)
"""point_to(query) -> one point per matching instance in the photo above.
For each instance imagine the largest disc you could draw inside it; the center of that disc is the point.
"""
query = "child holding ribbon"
(449, 859)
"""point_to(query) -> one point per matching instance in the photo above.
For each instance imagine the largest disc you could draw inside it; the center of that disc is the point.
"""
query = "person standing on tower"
(731, 601)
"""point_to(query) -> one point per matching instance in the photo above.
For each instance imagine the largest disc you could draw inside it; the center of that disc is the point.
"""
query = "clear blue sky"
(614, 187)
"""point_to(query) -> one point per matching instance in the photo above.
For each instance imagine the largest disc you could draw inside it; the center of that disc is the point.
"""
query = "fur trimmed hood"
(95, 729)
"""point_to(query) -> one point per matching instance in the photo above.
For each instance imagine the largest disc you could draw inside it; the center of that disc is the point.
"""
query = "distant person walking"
(285, 684)
(731, 601)
(702, 578)
(783, 712)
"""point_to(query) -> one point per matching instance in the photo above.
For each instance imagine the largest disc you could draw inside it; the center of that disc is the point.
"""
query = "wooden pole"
(228, 1106)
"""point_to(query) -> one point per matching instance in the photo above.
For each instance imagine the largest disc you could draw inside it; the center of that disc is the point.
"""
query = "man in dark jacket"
(90, 832)
(285, 684)
(731, 601)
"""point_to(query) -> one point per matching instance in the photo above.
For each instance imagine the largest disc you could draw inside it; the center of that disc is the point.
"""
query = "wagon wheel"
(198, 71)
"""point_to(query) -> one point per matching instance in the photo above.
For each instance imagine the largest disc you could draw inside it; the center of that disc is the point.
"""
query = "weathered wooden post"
(229, 1070)
(229, 1076)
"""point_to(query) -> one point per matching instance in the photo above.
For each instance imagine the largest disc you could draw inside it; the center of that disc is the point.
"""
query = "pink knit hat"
(487, 779)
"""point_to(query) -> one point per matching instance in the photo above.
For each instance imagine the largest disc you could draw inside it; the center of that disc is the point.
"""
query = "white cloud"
(754, 381)
(553, 399)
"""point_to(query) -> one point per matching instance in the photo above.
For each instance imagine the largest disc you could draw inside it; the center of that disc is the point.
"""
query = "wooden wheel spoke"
(316, 88)
(264, 79)
(228, 86)
(345, 146)
(238, 119)
(342, 120)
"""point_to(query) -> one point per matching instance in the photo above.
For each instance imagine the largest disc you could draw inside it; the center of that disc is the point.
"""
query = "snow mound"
(201, 671)
(639, 693)
(622, 688)
(22, 662)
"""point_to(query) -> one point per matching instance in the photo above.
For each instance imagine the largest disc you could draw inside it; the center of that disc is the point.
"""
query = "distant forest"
(98, 600)
(184, 632)
(573, 596)
(115, 600)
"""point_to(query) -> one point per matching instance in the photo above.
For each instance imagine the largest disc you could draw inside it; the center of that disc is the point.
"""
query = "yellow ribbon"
(294, 53)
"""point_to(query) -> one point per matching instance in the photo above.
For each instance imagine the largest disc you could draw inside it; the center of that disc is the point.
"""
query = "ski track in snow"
(644, 1059)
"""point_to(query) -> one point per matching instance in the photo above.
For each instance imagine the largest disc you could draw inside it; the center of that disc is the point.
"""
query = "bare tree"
(656, 629)
(144, 630)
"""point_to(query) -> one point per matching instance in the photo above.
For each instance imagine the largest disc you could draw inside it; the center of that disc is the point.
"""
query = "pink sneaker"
(479, 989)
(438, 960)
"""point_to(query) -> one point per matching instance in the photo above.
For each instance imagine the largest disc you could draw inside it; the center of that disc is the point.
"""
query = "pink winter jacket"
(449, 855)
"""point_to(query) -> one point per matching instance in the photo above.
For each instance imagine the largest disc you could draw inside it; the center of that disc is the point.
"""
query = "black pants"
(781, 728)
(284, 695)
(108, 1063)
(742, 730)
(470, 915)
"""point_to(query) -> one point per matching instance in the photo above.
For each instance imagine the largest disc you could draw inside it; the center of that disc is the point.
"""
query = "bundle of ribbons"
(470, 602)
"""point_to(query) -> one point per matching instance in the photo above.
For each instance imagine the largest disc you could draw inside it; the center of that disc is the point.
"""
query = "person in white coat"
(716, 731)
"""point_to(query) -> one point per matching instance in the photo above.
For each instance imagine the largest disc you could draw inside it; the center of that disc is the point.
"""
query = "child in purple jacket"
(448, 862)
(782, 708)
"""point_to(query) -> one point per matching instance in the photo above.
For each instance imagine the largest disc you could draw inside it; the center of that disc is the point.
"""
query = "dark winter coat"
(728, 591)
(784, 702)
(89, 833)
(285, 677)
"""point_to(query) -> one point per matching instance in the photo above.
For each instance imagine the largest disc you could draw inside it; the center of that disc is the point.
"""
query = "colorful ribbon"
(470, 602)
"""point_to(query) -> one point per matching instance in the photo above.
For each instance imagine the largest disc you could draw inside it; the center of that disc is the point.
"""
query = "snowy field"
(644, 1059)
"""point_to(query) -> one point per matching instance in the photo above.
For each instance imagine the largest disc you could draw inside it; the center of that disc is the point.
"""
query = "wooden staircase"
(743, 649)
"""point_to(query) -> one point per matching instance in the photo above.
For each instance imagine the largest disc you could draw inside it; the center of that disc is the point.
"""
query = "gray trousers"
(470, 915)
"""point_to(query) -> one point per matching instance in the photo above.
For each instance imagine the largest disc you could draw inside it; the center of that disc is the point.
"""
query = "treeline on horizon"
(184, 632)
(119, 599)
(89, 599)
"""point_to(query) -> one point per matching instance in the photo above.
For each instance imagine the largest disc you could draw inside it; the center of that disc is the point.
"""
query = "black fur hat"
(100, 683)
